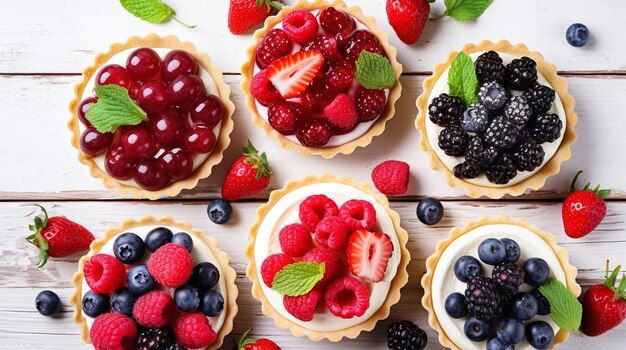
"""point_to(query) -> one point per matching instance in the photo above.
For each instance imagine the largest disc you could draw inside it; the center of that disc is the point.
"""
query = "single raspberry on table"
(316, 207)
(272, 264)
(193, 331)
(324, 44)
(113, 331)
(295, 240)
(358, 214)
(263, 90)
(370, 103)
(273, 46)
(391, 177)
(301, 26)
(332, 232)
(347, 297)
(104, 273)
(154, 309)
(283, 118)
(303, 307)
(329, 258)
(171, 265)
(341, 112)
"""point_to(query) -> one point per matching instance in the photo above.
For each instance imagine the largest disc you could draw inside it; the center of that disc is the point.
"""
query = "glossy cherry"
(143, 64)
(94, 142)
(118, 164)
(178, 63)
(138, 143)
(185, 90)
(200, 139)
(152, 97)
(114, 74)
(207, 110)
(150, 175)
(83, 107)
(168, 128)
(177, 163)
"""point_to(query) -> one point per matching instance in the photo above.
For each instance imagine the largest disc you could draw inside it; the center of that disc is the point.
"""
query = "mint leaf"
(462, 81)
(373, 71)
(464, 10)
(566, 310)
(114, 109)
(153, 11)
(298, 278)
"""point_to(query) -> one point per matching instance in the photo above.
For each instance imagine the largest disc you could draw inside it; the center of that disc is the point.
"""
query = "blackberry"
(176, 347)
(479, 154)
(446, 110)
(155, 339)
(489, 67)
(501, 133)
(509, 277)
(475, 119)
(545, 128)
(518, 111)
(521, 73)
(466, 170)
(483, 298)
(540, 98)
(492, 95)
(406, 335)
(502, 170)
(527, 155)
(453, 141)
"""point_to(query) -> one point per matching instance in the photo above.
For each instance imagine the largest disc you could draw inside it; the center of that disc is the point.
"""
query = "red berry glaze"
(193, 331)
(332, 233)
(273, 46)
(83, 107)
(104, 274)
(114, 74)
(325, 44)
(359, 41)
(154, 309)
(263, 90)
(119, 164)
(370, 103)
(177, 63)
(347, 297)
(169, 128)
(315, 208)
(171, 265)
(314, 134)
(207, 110)
(185, 90)
(143, 64)
(358, 214)
(152, 97)
(150, 176)
(138, 143)
(295, 240)
(336, 22)
(271, 265)
(94, 143)
(113, 331)
(177, 163)
(200, 139)
(283, 118)
(301, 26)
(303, 307)
(329, 258)
(316, 96)
(340, 75)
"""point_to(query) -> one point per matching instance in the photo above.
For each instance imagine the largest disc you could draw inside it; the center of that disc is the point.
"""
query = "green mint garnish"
(465, 10)
(153, 11)
(114, 109)
(298, 278)
(565, 309)
(374, 71)
(462, 81)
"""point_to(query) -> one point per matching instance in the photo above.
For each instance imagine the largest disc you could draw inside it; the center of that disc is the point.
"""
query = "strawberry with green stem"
(583, 209)
(244, 15)
(248, 175)
(246, 343)
(604, 306)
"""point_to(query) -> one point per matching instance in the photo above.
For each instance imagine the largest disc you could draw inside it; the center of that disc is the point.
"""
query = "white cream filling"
(433, 130)
(445, 282)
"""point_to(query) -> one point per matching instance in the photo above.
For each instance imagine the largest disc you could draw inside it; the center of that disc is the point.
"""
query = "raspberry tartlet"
(508, 135)
(155, 281)
(341, 244)
(486, 276)
(321, 78)
(151, 117)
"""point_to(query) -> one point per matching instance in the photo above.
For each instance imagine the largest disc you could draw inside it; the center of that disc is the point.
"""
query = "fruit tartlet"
(151, 117)
(321, 78)
(496, 119)
(482, 286)
(155, 281)
(327, 257)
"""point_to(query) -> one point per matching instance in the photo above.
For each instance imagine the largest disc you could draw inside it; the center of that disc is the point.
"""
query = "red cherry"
(177, 63)
(83, 107)
(185, 90)
(114, 74)
(168, 129)
(143, 64)
(200, 139)
(94, 142)
(208, 111)
(150, 175)
(152, 97)
(314, 134)
(118, 164)
(177, 163)
(138, 143)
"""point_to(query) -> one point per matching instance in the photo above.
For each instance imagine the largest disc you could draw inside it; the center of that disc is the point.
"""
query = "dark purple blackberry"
(527, 155)
(501, 133)
(453, 141)
(483, 298)
(155, 339)
(521, 73)
(466, 170)
(492, 95)
(518, 111)
(545, 128)
(479, 154)
(446, 110)
(502, 170)
(509, 277)
(475, 119)
(176, 347)
(540, 98)
(489, 67)
(406, 335)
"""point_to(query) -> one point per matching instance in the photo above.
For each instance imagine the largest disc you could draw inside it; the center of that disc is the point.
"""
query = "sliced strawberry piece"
(292, 74)
(369, 254)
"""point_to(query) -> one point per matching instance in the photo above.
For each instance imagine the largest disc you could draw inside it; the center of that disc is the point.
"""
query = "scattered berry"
(429, 211)
(93, 304)
(211, 303)
(329, 258)
(521, 73)
(154, 309)
(139, 280)
(122, 301)
(158, 237)
(332, 233)
(204, 276)
(171, 265)
(604, 306)
(104, 273)
(370, 103)
(347, 297)
(455, 305)
(193, 331)
(187, 298)
(406, 335)
(274, 45)
(453, 141)
(446, 110)
(248, 175)
(408, 18)
(48, 303)
(577, 35)
(316, 207)
(584, 209)
(368, 254)
(129, 248)
(466, 268)
(184, 239)
(272, 265)
(246, 343)
(113, 331)
(303, 307)
(295, 240)
(219, 211)
(489, 67)
(358, 214)
(301, 26)
(244, 15)
(391, 177)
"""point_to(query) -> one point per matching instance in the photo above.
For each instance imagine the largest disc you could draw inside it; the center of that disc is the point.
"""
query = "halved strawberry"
(369, 254)
(292, 74)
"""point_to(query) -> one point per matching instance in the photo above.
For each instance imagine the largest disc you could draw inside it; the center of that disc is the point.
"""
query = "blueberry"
(495, 344)
(139, 280)
(187, 298)
(513, 250)
(204, 276)
(219, 211)
(429, 211)
(456, 306)
(543, 305)
(158, 237)
(536, 272)
(211, 303)
(47, 303)
(577, 35)
(540, 335)
(129, 248)
(523, 306)
(466, 268)
(95, 304)
(510, 331)
(122, 301)
(183, 239)
(477, 330)
(492, 251)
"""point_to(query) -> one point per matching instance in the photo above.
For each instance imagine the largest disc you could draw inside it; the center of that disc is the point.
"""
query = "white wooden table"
(44, 45)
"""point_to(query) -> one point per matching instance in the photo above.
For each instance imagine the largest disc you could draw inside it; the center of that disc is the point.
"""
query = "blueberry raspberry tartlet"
(497, 119)
(151, 116)
(327, 258)
(482, 286)
(154, 284)
(321, 78)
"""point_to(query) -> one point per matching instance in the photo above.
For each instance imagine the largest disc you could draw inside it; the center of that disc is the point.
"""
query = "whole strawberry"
(584, 209)
(408, 18)
(604, 306)
(246, 343)
(248, 175)
(244, 15)
(57, 236)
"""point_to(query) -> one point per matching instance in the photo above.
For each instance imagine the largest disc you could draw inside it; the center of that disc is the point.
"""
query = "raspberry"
(347, 297)
(272, 264)
(359, 41)
(193, 331)
(171, 265)
(302, 307)
(341, 113)
(113, 331)
(263, 90)
(336, 22)
(314, 134)
(283, 118)
(301, 26)
(391, 177)
(154, 309)
(358, 214)
(370, 103)
(104, 273)
(331, 232)
(273, 46)
(316, 96)
(324, 44)
(295, 240)
(316, 207)
(330, 260)
(341, 74)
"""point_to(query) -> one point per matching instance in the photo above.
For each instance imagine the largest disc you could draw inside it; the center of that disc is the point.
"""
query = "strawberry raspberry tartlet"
(321, 78)
(327, 258)
(151, 117)
(154, 281)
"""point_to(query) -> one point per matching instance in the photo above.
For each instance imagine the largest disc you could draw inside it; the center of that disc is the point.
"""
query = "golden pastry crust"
(400, 279)
(223, 139)
(552, 167)
(561, 254)
(247, 71)
(227, 273)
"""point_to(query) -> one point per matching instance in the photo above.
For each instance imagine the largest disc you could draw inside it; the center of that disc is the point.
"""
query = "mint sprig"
(373, 71)
(153, 11)
(114, 109)
(465, 10)
(298, 278)
(565, 309)
(462, 81)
